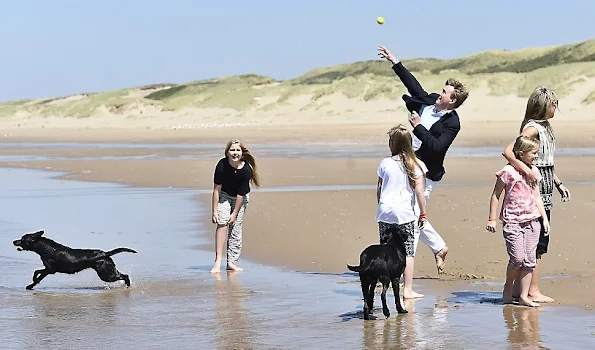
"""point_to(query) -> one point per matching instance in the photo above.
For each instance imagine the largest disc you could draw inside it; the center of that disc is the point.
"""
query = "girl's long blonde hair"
(399, 141)
(537, 108)
(248, 158)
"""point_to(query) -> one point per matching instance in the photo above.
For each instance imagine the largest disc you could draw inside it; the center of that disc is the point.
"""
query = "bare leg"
(511, 274)
(408, 292)
(526, 276)
(220, 239)
(534, 292)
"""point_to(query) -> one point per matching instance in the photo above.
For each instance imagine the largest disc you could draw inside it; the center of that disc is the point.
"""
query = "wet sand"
(317, 214)
(175, 302)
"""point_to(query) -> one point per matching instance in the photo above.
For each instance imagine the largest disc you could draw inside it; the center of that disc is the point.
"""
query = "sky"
(62, 47)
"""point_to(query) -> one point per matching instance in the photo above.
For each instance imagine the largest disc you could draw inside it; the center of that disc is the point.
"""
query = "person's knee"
(515, 262)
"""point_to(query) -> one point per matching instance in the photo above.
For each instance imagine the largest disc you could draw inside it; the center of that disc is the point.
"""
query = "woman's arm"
(564, 192)
(517, 164)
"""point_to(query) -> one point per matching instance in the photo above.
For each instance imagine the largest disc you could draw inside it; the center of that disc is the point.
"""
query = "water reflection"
(233, 323)
(523, 327)
(67, 317)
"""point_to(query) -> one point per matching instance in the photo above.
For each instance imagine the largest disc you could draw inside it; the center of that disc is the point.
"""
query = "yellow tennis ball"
(380, 20)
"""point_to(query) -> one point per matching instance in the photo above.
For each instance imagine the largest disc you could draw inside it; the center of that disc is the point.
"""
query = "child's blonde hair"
(524, 144)
(399, 141)
(248, 157)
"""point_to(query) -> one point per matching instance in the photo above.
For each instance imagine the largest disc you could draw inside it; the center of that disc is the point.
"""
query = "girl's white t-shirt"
(397, 197)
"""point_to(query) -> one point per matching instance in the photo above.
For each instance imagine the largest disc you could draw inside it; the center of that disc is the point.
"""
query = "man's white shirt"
(428, 116)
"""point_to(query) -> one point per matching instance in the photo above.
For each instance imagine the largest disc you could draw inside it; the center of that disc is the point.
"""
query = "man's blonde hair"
(460, 92)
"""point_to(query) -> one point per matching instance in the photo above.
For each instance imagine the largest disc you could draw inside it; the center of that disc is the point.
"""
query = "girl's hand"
(546, 227)
(564, 193)
(214, 218)
(421, 222)
(232, 219)
(491, 226)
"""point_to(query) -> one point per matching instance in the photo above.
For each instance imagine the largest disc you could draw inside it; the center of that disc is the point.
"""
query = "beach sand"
(323, 230)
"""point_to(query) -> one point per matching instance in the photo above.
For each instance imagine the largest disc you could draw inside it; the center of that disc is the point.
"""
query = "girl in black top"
(232, 178)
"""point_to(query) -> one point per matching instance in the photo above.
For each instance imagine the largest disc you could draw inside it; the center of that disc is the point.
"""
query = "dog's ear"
(38, 233)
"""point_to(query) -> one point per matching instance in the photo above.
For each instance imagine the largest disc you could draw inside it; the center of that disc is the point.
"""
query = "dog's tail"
(119, 250)
(364, 265)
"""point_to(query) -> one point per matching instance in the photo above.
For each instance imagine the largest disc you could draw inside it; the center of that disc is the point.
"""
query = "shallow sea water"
(174, 301)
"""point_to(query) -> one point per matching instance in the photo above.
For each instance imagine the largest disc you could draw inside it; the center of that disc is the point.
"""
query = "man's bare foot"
(412, 295)
(540, 298)
(440, 257)
(232, 267)
(527, 302)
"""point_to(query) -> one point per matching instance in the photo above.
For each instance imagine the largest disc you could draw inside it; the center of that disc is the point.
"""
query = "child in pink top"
(521, 209)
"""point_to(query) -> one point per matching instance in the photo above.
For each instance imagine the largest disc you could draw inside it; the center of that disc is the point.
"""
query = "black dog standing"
(59, 258)
(384, 263)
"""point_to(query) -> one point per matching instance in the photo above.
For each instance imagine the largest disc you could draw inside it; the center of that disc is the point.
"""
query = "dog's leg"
(385, 310)
(106, 270)
(371, 294)
(365, 293)
(126, 279)
(37, 272)
(395, 283)
(38, 275)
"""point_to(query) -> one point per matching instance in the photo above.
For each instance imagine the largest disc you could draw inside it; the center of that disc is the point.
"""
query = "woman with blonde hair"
(232, 178)
(401, 201)
(541, 107)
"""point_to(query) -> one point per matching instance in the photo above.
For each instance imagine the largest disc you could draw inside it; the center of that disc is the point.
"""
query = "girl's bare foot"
(507, 296)
(527, 302)
(412, 295)
(232, 267)
(540, 298)
(217, 267)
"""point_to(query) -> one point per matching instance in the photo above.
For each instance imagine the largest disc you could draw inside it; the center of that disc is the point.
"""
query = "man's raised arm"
(413, 86)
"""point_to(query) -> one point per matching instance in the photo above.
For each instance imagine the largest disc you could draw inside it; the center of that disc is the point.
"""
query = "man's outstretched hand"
(383, 52)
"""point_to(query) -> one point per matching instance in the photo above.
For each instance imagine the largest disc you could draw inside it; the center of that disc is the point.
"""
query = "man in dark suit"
(435, 125)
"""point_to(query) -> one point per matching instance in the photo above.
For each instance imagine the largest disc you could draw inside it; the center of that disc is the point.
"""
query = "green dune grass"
(499, 72)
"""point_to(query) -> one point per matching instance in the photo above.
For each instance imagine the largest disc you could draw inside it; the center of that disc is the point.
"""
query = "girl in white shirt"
(400, 195)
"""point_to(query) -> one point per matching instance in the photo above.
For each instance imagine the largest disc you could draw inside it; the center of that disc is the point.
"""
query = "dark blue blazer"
(437, 140)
